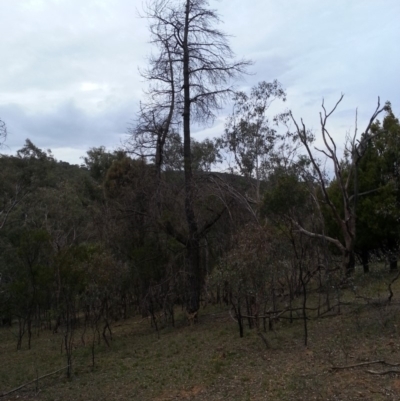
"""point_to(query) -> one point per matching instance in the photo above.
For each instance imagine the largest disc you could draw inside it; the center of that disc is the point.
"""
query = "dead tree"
(156, 118)
(346, 176)
(197, 65)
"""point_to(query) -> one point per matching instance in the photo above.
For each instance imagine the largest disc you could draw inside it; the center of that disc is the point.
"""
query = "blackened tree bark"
(193, 254)
(156, 117)
(198, 65)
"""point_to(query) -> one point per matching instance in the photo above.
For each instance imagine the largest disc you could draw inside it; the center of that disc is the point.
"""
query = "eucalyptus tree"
(19, 175)
(190, 77)
(99, 160)
(250, 135)
(48, 218)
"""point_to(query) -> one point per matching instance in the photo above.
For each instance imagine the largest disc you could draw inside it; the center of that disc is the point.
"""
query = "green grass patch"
(210, 362)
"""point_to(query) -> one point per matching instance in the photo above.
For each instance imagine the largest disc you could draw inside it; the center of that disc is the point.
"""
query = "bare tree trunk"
(349, 262)
(194, 280)
(192, 247)
(393, 263)
(365, 260)
(303, 284)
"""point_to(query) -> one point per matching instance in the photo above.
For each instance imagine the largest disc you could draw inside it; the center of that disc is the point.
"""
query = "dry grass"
(209, 361)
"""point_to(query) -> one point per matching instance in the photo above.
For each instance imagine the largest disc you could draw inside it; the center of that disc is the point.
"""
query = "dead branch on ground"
(33, 381)
(366, 363)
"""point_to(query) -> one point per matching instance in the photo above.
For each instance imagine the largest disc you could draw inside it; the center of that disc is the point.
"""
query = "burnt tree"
(192, 71)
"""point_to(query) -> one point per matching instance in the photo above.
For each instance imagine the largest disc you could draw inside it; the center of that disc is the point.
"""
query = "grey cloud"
(50, 48)
(66, 127)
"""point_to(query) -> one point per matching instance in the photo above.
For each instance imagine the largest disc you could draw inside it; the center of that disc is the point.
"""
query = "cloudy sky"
(69, 75)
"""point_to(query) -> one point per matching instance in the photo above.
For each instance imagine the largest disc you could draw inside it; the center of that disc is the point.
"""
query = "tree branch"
(33, 381)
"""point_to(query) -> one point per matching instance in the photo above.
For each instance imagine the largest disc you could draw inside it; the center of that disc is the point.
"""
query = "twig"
(265, 341)
(365, 363)
(385, 372)
(33, 381)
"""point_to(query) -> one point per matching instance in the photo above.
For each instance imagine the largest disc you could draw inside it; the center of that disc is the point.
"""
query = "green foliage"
(379, 211)
(28, 281)
(126, 175)
(286, 195)
(49, 216)
(249, 133)
(98, 161)
(377, 197)
(205, 154)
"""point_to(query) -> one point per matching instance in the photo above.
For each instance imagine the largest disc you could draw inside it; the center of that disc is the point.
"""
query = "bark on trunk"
(193, 256)
(393, 263)
(349, 262)
(365, 260)
(194, 276)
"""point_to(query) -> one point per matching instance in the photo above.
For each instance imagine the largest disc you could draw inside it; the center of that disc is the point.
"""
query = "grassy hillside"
(208, 361)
